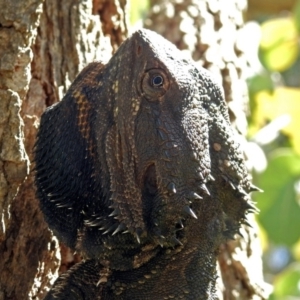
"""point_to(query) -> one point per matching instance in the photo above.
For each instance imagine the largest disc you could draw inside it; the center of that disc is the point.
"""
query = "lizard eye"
(157, 81)
(155, 84)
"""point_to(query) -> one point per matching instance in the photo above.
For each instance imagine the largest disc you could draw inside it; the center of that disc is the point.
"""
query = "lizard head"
(172, 151)
(142, 144)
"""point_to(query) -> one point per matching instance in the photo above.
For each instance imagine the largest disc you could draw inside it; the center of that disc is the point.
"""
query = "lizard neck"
(185, 272)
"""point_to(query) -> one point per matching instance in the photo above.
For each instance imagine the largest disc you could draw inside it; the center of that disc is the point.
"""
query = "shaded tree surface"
(44, 44)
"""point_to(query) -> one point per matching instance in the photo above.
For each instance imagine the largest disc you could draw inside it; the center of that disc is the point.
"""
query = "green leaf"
(137, 10)
(260, 82)
(279, 44)
(272, 297)
(284, 101)
(257, 83)
(287, 283)
(279, 207)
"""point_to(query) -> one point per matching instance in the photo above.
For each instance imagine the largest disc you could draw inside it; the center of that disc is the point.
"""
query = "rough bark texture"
(44, 44)
(19, 218)
(212, 32)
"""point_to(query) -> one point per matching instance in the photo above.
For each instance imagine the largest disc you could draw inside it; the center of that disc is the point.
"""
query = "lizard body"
(138, 170)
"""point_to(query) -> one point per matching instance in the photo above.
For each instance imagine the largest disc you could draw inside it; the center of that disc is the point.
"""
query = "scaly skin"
(138, 170)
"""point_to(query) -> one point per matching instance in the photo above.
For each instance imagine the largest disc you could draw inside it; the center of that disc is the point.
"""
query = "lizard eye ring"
(155, 84)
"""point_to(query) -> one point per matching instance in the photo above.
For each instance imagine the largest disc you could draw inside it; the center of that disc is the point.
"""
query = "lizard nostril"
(139, 50)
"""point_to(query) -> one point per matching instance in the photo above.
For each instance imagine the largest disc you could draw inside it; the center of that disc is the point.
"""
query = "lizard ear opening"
(138, 50)
(155, 83)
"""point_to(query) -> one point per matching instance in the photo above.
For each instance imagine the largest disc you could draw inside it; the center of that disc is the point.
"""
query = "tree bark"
(44, 44)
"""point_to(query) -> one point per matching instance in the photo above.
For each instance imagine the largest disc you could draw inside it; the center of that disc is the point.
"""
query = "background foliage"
(275, 126)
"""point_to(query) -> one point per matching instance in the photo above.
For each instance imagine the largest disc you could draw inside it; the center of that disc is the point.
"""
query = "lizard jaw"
(166, 208)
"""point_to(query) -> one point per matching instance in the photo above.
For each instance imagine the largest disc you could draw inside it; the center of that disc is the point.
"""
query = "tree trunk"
(44, 44)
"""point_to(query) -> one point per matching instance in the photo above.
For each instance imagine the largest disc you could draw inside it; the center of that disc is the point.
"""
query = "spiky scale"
(228, 234)
(121, 227)
(171, 188)
(251, 207)
(138, 234)
(180, 224)
(233, 186)
(211, 178)
(240, 234)
(243, 192)
(116, 212)
(190, 212)
(110, 229)
(176, 242)
(254, 188)
(94, 223)
(161, 242)
(194, 196)
(103, 227)
(204, 188)
(246, 223)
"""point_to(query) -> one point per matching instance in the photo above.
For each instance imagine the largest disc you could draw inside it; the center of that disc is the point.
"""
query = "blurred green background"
(274, 133)
(274, 125)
